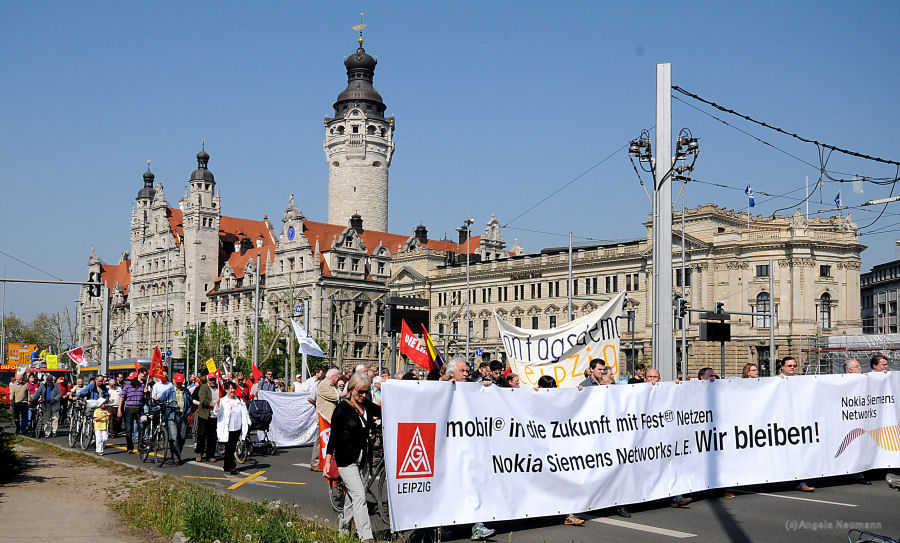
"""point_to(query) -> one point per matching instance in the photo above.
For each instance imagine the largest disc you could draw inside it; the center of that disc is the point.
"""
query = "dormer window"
(259, 243)
(355, 129)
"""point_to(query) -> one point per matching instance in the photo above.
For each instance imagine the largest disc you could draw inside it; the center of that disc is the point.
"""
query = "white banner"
(566, 351)
(501, 453)
(294, 421)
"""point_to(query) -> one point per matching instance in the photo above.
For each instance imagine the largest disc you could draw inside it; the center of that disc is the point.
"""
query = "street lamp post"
(662, 166)
(467, 225)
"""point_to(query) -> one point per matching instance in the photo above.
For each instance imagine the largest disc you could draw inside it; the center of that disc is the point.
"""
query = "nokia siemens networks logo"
(415, 445)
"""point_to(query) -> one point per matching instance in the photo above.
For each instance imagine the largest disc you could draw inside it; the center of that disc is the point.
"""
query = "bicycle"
(375, 483)
(76, 421)
(86, 436)
(154, 436)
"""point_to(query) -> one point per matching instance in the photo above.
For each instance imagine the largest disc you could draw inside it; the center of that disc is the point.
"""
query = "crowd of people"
(214, 409)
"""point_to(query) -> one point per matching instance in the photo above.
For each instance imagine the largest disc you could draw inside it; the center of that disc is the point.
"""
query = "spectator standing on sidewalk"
(101, 425)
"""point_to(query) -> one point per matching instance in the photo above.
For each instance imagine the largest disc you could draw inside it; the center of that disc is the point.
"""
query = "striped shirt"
(133, 395)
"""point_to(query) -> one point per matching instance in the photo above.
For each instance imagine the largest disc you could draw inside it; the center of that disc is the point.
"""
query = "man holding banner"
(327, 397)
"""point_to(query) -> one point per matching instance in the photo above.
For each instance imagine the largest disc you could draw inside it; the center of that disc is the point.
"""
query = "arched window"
(825, 311)
(762, 306)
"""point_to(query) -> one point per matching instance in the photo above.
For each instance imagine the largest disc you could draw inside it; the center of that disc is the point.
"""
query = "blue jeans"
(132, 428)
(176, 427)
(20, 411)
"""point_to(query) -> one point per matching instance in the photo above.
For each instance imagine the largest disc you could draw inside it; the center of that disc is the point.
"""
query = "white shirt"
(310, 384)
(159, 388)
(297, 386)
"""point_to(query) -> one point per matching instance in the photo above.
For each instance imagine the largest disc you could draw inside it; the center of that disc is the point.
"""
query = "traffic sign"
(169, 353)
(479, 352)
(298, 309)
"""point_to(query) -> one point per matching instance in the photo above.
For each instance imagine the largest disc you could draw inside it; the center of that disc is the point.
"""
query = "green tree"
(270, 357)
(212, 341)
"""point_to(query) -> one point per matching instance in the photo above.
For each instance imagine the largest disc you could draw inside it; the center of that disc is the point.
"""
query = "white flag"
(307, 344)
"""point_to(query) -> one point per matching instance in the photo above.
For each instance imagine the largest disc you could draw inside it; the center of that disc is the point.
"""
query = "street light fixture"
(467, 225)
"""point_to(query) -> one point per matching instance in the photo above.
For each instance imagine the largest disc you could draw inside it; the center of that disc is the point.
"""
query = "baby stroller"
(260, 418)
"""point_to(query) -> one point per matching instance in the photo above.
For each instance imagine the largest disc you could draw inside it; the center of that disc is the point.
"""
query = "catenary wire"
(782, 131)
(31, 266)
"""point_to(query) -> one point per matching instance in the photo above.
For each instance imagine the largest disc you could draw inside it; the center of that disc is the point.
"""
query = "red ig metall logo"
(415, 448)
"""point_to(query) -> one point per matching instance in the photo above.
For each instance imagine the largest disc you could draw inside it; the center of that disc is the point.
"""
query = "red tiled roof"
(232, 230)
(118, 274)
(325, 233)
(176, 224)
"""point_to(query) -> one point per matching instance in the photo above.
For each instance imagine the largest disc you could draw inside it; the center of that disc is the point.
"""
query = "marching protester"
(750, 371)
(706, 374)
(206, 403)
(852, 366)
(115, 395)
(101, 425)
(310, 384)
(376, 390)
(95, 390)
(513, 380)
(325, 400)
(178, 405)
(268, 384)
(879, 363)
(47, 396)
(651, 375)
(352, 421)
(788, 367)
(129, 409)
(596, 370)
(639, 372)
(233, 424)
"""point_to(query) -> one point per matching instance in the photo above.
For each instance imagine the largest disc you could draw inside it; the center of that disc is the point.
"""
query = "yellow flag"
(211, 365)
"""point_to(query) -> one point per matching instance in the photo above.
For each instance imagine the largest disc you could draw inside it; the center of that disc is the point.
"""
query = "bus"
(125, 366)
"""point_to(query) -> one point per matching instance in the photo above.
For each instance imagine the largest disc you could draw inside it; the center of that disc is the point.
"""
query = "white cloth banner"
(566, 351)
(307, 345)
(502, 453)
(294, 421)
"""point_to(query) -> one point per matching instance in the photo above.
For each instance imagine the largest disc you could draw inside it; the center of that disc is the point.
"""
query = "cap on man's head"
(299, 376)
(178, 378)
(132, 375)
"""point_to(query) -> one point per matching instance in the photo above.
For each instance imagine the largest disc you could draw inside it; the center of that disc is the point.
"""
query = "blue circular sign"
(479, 352)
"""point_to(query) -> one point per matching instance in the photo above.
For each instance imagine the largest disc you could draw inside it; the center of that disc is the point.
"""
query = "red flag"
(413, 348)
(256, 373)
(156, 365)
(77, 355)
(324, 434)
(137, 367)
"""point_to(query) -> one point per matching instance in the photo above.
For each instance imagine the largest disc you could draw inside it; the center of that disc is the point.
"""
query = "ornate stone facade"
(816, 285)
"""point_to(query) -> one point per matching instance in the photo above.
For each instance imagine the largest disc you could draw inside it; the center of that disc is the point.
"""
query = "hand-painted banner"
(501, 453)
(566, 351)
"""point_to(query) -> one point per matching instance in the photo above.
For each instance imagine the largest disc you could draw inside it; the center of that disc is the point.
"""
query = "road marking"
(285, 482)
(302, 465)
(246, 479)
(216, 478)
(644, 528)
(826, 502)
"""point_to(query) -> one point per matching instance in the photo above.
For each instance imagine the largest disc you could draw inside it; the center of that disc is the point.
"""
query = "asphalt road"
(769, 513)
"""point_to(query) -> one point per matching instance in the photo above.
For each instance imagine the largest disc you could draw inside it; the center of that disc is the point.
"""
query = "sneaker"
(481, 532)
(806, 488)
(198, 457)
(572, 520)
(728, 495)
(622, 512)
(680, 502)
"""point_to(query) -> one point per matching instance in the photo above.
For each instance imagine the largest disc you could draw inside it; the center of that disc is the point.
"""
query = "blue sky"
(497, 105)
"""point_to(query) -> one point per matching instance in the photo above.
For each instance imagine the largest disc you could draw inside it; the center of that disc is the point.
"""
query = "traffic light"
(282, 345)
(94, 290)
(227, 349)
(682, 307)
(720, 307)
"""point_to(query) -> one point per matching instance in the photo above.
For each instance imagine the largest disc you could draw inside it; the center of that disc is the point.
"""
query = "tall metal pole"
(150, 322)
(256, 315)
(304, 363)
(571, 280)
(166, 341)
(468, 291)
(380, 345)
(683, 287)
(3, 323)
(196, 345)
(771, 314)
(104, 333)
(663, 337)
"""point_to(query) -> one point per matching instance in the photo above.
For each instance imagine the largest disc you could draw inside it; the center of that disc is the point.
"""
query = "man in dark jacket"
(205, 444)
(47, 396)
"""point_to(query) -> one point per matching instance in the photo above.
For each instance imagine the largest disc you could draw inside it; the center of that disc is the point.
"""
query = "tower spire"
(360, 27)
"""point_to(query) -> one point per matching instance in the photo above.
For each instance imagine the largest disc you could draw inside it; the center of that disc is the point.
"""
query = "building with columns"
(814, 263)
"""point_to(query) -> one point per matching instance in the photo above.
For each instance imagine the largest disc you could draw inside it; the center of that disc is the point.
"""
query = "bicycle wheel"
(161, 445)
(380, 491)
(74, 430)
(87, 434)
(242, 451)
(336, 494)
(144, 445)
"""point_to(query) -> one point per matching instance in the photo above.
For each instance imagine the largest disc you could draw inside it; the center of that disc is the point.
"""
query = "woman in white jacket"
(233, 424)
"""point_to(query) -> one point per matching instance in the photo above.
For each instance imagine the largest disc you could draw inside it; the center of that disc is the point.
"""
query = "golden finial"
(360, 27)
(148, 164)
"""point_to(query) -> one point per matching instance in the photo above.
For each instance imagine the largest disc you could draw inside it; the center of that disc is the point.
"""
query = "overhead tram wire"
(785, 132)
(555, 192)
(31, 266)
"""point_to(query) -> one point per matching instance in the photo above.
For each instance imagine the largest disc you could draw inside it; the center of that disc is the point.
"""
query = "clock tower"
(359, 144)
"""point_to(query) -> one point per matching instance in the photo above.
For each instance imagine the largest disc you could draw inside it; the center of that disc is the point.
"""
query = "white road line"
(302, 465)
(797, 498)
(644, 528)
(206, 465)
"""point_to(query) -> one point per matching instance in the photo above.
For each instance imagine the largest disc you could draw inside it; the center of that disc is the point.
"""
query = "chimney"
(422, 234)
(246, 245)
(463, 234)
